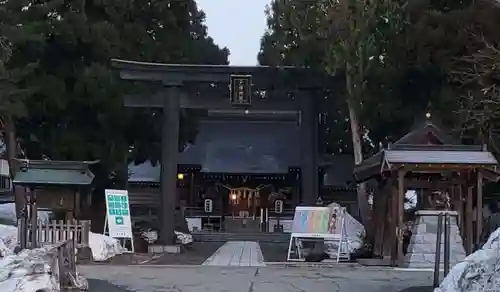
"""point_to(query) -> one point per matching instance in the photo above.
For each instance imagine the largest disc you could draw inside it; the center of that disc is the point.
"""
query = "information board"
(118, 214)
(312, 220)
(313, 223)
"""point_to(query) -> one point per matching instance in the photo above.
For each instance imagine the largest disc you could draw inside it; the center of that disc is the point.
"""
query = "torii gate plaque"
(243, 83)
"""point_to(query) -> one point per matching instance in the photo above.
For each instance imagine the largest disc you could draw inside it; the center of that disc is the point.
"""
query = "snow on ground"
(28, 271)
(104, 247)
(479, 272)
(8, 239)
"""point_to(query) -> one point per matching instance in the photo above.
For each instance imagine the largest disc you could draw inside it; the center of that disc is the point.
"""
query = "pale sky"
(237, 25)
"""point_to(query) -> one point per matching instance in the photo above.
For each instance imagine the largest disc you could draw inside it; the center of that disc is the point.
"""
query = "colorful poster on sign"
(311, 220)
(118, 214)
(336, 219)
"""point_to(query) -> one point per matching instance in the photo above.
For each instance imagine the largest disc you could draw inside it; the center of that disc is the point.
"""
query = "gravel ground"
(342, 278)
(418, 289)
(96, 285)
(274, 252)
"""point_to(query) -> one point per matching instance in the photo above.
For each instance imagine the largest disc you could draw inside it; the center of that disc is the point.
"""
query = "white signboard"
(118, 214)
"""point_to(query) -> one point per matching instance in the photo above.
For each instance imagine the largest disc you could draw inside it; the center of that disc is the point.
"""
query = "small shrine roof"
(49, 172)
(440, 157)
(425, 144)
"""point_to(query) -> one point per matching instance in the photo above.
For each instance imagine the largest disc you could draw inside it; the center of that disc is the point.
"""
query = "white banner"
(118, 214)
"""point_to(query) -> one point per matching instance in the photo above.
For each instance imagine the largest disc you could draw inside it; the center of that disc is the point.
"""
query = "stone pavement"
(344, 278)
(237, 253)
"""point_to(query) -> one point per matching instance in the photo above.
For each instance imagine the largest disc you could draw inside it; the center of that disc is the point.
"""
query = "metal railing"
(446, 219)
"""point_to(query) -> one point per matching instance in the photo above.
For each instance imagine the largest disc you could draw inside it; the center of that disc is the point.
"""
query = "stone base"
(84, 255)
(421, 251)
(154, 249)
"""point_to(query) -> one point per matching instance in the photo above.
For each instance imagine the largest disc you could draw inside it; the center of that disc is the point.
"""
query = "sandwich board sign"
(118, 223)
(311, 223)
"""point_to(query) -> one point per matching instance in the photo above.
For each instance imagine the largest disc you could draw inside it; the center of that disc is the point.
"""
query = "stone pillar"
(169, 156)
(309, 140)
(421, 252)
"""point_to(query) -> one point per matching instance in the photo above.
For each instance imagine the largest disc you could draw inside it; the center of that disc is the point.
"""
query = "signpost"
(117, 223)
(310, 223)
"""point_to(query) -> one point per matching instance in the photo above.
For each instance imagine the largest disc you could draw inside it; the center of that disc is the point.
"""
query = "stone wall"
(421, 251)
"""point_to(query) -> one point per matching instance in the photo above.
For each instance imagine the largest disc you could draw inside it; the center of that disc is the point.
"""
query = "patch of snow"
(184, 238)
(8, 214)
(479, 272)
(355, 233)
(104, 247)
(28, 271)
(151, 236)
(8, 239)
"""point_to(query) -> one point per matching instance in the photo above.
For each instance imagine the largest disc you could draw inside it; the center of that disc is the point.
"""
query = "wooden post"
(401, 210)
(378, 220)
(85, 232)
(460, 209)
(192, 189)
(479, 208)
(309, 133)
(169, 155)
(468, 221)
(77, 205)
(394, 226)
(389, 221)
(34, 220)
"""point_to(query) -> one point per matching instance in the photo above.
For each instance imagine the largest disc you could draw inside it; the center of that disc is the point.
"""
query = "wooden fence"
(63, 264)
(54, 232)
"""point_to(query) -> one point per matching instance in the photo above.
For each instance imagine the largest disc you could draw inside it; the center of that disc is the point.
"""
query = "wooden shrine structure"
(426, 160)
(63, 187)
(256, 93)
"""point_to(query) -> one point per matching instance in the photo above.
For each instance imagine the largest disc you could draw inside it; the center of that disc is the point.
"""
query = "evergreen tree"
(75, 103)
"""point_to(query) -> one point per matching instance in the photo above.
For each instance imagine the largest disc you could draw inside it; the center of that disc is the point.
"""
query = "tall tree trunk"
(357, 146)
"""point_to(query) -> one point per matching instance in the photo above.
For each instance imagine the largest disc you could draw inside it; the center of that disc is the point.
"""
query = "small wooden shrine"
(63, 187)
(428, 161)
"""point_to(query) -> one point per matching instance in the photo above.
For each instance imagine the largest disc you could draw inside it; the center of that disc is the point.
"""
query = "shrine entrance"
(244, 202)
(244, 212)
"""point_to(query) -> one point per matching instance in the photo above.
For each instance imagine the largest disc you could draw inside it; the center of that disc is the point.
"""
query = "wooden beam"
(479, 208)
(210, 101)
(421, 184)
(262, 76)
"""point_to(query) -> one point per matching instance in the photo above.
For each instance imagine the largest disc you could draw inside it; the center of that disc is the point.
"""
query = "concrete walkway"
(237, 253)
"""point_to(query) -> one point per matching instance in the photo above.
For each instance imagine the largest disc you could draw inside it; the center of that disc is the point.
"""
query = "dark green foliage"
(73, 101)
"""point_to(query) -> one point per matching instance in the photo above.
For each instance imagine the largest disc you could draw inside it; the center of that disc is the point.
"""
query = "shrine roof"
(235, 147)
(48, 172)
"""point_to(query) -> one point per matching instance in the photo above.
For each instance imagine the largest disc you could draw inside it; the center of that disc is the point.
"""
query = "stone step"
(237, 236)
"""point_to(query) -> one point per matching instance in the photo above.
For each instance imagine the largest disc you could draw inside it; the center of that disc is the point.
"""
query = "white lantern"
(208, 205)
